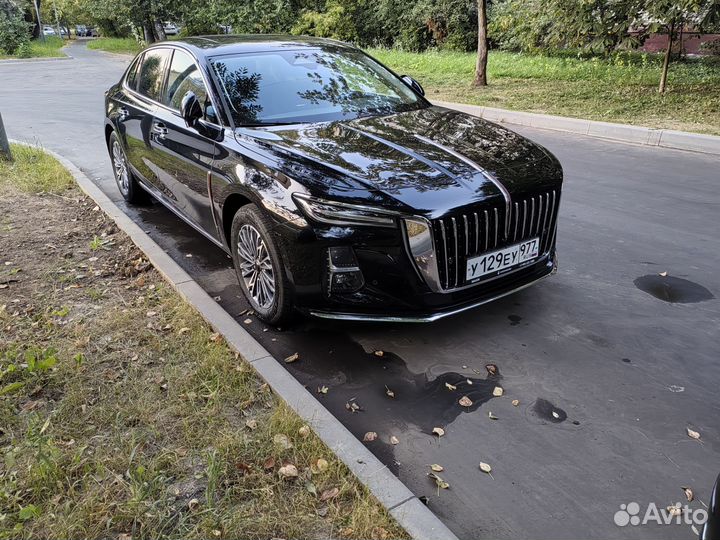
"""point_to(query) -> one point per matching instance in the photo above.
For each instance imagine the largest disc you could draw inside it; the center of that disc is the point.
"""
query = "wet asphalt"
(610, 361)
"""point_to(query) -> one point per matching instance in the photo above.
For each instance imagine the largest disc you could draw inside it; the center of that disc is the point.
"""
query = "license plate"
(502, 259)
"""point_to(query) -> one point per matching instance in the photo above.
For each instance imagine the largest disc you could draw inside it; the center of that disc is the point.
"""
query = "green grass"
(622, 88)
(116, 45)
(49, 48)
(122, 414)
(34, 171)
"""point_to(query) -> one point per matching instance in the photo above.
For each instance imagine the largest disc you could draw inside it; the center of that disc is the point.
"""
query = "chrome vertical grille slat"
(477, 233)
(445, 252)
(517, 218)
(455, 254)
(467, 236)
(496, 226)
(487, 227)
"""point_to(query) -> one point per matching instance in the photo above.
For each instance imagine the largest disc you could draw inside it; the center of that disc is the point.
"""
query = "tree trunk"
(38, 30)
(148, 32)
(666, 61)
(159, 31)
(481, 66)
(4, 144)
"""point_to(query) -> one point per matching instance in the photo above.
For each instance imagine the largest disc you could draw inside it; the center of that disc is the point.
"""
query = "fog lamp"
(343, 273)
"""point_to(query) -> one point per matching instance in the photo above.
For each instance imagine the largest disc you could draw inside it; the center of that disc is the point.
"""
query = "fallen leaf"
(515, 402)
(555, 414)
(438, 431)
(497, 391)
(693, 434)
(465, 402)
(269, 463)
(662, 274)
(323, 389)
(151, 313)
(484, 467)
(441, 484)
(688, 493)
(389, 392)
(370, 436)
(193, 505)
(437, 468)
(491, 369)
(379, 353)
(469, 382)
(394, 440)
(251, 424)
(450, 386)
(320, 465)
(310, 487)
(379, 533)
(292, 358)
(352, 407)
(215, 337)
(124, 536)
(329, 494)
(217, 533)
(288, 471)
(282, 441)
(247, 321)
(491, 416)
(304, 431)
(673, 510)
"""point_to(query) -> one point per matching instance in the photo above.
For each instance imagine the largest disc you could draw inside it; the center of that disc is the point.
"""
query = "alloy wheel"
(256, 266)
(122, 176)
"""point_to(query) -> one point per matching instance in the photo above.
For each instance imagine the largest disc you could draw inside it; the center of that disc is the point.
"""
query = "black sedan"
(337, 188)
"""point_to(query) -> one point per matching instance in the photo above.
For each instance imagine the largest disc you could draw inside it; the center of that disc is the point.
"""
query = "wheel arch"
(233, 203)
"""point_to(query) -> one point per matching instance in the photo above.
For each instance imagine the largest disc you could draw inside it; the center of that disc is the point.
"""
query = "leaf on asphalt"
(304, 431)
(269, 463)
(491, 416)
(251, 424)
(491, 369)
(282, 441)
(450, 386)
(515, 402)
(688, 493)
(292, 358)
(497, 391)
(323, 389)
(438, 431)
(484, 467)
(288, 471)
(352, 406)
(555, 414)
(389, 392)
(441, 484)
(693, 434)
(370, 436)
(662, 274)
(379, 353)
(329, 494)
(394, 440)
(437, 468)
(465, 402)
(310, 487)
(193, 504)
(469, 382)
(247, 321)
(674, 510)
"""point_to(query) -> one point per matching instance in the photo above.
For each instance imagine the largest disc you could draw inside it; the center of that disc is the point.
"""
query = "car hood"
(459, 158)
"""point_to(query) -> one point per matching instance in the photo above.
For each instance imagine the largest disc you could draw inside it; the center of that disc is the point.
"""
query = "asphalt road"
(609, 361)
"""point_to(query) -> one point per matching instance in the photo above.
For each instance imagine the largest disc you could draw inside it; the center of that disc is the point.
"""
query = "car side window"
(152, 73)
(131, 79)
(183, 77)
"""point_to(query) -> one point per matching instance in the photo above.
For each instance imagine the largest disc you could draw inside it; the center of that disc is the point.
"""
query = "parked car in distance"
(170, 28)
(81, 30)
(49, 31)
(336, 187)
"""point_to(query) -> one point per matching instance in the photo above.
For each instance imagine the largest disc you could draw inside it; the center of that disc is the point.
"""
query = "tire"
(259, 266)
(126, 182)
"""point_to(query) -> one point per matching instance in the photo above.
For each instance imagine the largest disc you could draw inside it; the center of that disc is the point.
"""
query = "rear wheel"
(258, 264)
(127, 184)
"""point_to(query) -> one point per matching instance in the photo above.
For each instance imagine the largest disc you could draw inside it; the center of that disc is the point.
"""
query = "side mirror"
(412, 83)
(191, 110)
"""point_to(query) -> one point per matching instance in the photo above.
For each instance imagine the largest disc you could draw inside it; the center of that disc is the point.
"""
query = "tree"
(482, 52)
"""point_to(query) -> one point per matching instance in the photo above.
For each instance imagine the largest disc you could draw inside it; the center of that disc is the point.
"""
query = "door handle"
(159, 129)
(123, 113)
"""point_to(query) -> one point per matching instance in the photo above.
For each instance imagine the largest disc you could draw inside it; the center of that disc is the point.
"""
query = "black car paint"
(390, 162)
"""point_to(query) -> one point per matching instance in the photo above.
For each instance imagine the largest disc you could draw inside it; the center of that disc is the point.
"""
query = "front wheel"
(127, 184)
(258, 264)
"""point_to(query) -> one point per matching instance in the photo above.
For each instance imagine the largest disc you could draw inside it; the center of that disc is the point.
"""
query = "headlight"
(335, 213)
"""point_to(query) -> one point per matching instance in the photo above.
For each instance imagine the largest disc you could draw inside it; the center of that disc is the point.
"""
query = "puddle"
(672, 289)
(548, 412)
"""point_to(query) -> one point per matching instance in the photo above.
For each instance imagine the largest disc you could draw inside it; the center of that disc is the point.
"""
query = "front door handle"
(159, 129)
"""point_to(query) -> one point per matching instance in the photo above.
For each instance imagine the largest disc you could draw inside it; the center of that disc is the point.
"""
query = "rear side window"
(183, 77)
(131, 79)
(152, 73)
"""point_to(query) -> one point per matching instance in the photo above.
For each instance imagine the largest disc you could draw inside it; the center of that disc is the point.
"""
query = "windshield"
(309, 85)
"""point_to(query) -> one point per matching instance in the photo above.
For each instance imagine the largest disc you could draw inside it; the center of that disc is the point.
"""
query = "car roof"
(204, 46)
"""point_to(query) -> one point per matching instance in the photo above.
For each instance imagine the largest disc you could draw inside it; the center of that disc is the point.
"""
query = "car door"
(181, 156)
(143, 90)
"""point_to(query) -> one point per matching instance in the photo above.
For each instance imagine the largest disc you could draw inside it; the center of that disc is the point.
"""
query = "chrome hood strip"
(471, 163)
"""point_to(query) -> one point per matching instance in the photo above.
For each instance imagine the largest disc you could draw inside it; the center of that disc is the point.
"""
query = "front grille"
(458, 237)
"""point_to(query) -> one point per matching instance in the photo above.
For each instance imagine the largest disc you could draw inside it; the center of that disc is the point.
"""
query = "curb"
(36, 60)
(663, 138)
(398, 500)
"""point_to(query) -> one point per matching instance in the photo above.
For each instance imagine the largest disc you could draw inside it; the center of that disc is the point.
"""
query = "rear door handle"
(159, 129)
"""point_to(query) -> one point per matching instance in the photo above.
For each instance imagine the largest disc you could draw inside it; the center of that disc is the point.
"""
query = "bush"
(14, 33)
(712, 47)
